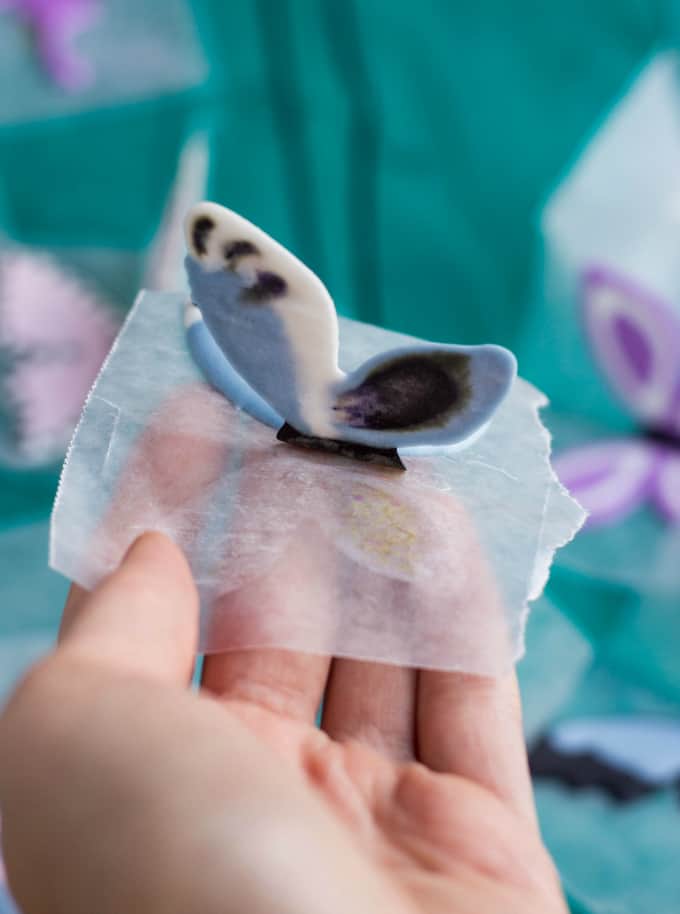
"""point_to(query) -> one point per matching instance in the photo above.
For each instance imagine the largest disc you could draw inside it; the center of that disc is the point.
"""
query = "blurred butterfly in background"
(635, 338)
(57, 325)
(627, 757)
(55, 26)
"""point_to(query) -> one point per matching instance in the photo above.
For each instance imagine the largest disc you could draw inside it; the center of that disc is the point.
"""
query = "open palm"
(127, 792)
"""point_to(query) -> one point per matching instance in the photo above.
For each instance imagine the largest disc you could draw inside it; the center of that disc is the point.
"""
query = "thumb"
(142, 619)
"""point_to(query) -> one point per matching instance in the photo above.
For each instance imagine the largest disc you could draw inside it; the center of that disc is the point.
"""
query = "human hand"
(122, 791)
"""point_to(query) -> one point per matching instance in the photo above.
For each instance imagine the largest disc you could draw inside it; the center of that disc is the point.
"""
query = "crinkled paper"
(293, 549)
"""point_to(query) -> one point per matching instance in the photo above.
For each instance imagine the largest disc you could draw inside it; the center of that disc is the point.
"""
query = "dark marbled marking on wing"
(234, 250)
(409, 392)
(203, 226)
(267, 286)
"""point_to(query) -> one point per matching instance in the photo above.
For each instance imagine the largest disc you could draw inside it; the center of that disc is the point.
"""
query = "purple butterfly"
(55, 25)
(635, 338)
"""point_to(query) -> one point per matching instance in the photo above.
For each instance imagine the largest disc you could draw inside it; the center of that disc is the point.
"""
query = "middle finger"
(373, 703)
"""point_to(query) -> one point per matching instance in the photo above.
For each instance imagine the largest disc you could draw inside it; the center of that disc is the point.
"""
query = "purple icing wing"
(636, 340)
(611, 478)
(666, 491)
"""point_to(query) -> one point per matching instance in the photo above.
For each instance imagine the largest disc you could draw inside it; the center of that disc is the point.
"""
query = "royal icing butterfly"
(269, 318)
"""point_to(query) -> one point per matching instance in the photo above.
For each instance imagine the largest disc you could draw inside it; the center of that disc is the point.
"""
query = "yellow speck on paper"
(383, 527)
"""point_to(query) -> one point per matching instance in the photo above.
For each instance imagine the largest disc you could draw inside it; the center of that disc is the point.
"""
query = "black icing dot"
(268, 285)
(203, 226)
(272, 283)
(239, 249)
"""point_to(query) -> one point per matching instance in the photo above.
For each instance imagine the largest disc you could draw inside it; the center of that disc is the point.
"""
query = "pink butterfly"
(635, 338)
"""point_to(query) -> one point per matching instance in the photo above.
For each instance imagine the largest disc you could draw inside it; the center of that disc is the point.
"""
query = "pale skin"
(123, 791)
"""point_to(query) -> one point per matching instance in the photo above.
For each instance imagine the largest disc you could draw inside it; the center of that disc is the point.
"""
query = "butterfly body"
(276, 324)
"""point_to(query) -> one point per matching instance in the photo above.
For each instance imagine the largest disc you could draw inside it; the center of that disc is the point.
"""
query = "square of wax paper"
(433, 567)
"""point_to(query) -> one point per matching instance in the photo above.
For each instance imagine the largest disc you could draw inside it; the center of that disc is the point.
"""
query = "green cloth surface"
(403, 155)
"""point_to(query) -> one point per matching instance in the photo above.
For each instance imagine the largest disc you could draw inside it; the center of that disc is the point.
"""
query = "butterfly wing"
(666, 491)
(271, 316)
(219, 372)
(424, 394)
(610, 478)
(635, 337)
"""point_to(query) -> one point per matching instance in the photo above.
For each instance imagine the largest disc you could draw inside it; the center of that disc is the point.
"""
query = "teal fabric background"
(403, 155)
(403, 151)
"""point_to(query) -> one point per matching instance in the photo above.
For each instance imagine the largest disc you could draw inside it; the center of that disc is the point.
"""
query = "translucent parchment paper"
(433, 567)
